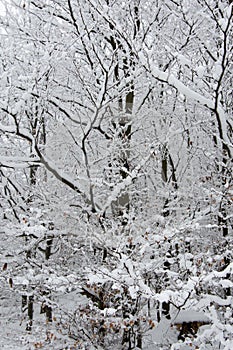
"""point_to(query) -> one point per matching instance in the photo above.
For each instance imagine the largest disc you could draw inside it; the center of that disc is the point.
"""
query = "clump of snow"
(191, 316)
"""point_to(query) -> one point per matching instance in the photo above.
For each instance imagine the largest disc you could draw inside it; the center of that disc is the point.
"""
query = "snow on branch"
(48, 164)
(18, 162)
(190, 94)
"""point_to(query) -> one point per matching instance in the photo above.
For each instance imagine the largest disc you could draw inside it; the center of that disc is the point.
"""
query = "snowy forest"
(116, 182)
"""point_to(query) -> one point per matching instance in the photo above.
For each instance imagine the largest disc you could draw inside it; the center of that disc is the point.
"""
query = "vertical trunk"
(225, 174)
(139, 341)
(33, 168)
(37, 134)
(123, 125)
(48, 248)
(49, 242)
(168, 165)
(24, 303)
(49, 316)
(30, 313)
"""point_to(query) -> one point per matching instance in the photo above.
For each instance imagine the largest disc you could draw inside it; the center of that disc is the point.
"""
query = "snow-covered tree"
(116, 156)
